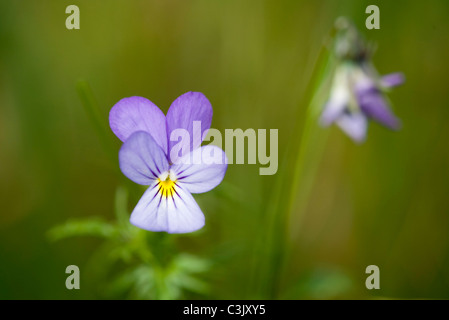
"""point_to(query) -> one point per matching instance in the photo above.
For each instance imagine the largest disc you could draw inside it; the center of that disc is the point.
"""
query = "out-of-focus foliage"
(149, 273)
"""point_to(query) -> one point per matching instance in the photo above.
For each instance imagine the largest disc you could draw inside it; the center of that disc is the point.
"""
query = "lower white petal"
(172, 212)
(355, 125)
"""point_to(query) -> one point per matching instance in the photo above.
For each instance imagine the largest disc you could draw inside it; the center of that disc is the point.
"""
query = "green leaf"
(322, 283)
(138, 282)
(192, 264)
(88, 227)
(192, 284)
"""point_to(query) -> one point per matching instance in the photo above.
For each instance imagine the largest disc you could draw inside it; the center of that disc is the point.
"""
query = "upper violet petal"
(188, 117)
(138, 114)
(201, 170)
(141, 159)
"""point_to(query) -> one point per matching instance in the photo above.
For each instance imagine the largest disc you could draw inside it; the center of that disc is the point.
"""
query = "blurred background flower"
(383, 202)
(356, 94)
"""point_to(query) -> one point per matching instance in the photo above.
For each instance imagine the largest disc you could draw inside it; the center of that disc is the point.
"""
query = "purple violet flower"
(357, 92)
(147, 157)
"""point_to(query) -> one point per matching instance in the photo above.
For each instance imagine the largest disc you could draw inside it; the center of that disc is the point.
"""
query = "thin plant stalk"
(292, 187)
(95, 115)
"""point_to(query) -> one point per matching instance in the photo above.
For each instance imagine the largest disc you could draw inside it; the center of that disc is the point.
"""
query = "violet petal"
(373, 104)
(332, 110)
(141, 159)
(134, 114)
(392, 80)
(187, 108)
(201, 170)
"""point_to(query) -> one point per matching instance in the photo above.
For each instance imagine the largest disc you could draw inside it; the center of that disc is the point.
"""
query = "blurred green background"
(384, 202)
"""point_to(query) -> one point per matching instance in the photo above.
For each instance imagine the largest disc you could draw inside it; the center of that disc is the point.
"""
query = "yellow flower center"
(166, 187)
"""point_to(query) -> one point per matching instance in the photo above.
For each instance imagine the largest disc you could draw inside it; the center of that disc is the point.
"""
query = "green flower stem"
(312, 146)
(290, 199)
(309, 154)
(97, 118)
